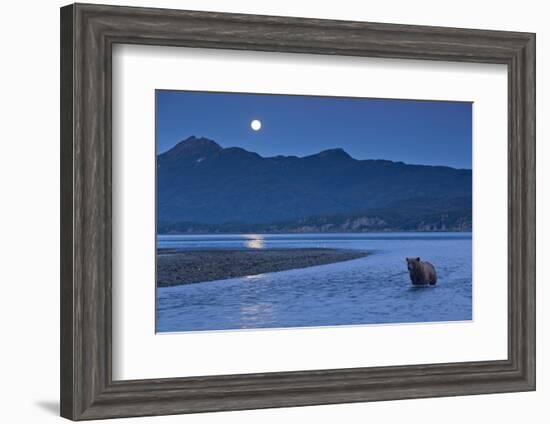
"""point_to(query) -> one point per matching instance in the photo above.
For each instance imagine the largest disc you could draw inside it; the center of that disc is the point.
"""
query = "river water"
(372, 290)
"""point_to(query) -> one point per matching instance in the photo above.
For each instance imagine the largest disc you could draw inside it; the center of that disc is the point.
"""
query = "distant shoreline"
(221, 233)
(176, 267)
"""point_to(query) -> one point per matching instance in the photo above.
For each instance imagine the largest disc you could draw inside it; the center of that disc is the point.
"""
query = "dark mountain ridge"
(202, 187)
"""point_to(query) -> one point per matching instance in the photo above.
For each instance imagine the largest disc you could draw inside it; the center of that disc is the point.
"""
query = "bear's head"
(412, 263)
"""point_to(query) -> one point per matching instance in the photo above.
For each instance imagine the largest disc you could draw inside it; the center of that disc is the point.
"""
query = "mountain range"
(202, 187)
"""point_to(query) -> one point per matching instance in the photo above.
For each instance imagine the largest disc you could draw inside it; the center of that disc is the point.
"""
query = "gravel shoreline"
(187, 267)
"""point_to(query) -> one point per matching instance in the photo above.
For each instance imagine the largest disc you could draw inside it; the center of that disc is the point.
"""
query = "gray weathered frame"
(88, 33)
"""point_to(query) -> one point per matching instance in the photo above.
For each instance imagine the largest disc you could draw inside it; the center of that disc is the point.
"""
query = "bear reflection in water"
(421, 273)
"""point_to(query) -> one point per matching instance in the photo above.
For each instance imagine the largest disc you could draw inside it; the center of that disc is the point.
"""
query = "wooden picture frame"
(88, 33)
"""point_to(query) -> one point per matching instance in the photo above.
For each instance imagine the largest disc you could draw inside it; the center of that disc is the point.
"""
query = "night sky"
(416, 132)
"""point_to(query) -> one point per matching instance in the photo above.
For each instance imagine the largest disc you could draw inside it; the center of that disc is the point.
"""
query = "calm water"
(371, 290)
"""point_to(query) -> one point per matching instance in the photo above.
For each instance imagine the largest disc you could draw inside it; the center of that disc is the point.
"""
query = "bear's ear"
(417, 259)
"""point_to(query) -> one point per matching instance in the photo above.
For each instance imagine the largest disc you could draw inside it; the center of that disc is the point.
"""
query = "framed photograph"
(264, 211)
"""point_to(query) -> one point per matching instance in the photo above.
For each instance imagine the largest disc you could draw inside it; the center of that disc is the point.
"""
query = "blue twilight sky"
(417, 132)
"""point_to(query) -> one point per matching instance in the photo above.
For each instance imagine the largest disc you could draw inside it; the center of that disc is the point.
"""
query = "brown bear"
(421, 273)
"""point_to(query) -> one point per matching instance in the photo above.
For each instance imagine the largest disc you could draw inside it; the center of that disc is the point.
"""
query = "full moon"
(256, 125)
